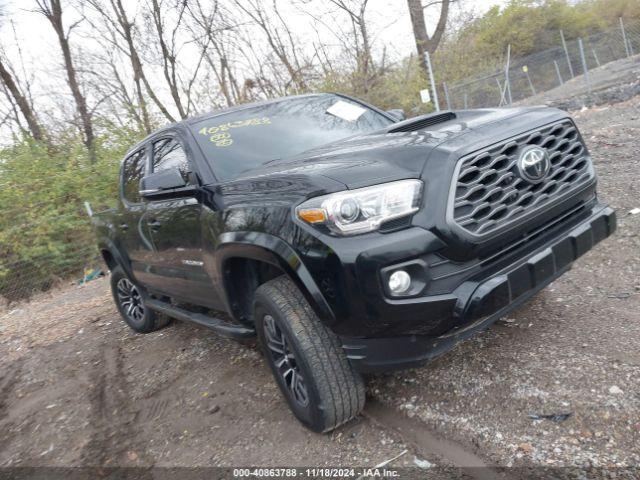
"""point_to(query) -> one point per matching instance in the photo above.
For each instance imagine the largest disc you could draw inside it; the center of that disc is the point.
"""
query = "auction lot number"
(309, 473)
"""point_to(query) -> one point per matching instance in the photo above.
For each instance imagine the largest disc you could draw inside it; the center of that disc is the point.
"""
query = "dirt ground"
(77, 387)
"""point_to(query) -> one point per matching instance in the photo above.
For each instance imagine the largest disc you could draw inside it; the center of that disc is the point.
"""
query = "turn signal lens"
(312, 215)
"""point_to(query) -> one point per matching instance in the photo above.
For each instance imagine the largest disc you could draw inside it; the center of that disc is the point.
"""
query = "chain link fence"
(44, 244)
(542, 71)
(44, 266)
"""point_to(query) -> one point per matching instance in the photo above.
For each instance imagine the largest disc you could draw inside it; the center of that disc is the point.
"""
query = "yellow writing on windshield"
(220, 136)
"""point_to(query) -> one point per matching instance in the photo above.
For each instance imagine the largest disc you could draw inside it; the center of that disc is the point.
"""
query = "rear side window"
(132, 173)
(168, 154)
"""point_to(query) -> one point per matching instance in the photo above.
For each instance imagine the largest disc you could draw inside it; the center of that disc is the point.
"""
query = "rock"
(525, 447)
(422, 463)
(615, 390)
(214, 409)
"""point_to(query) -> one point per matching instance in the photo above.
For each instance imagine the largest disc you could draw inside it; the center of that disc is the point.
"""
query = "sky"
(388, 22)
(397, 32)
(389, 17)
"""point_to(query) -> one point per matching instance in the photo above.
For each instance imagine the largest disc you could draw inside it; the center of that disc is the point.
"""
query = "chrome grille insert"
(489, 193)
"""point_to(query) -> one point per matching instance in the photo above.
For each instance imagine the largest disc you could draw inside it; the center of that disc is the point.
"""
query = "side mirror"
(165, 184)
(397, 113)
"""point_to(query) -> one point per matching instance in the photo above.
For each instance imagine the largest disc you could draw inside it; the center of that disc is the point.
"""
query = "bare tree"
(18, 91)
(126, 32)
(120, 29)
(52, 11)
(355, 41)
(21, 100)
(168, 50)
(168, 42)
(279, 37)
(356, 10)
(424, 42)
(217, 28)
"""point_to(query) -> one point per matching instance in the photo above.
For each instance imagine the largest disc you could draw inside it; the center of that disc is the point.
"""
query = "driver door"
(176, 267)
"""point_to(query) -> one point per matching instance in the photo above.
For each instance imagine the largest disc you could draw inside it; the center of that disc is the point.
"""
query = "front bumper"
(476, 304)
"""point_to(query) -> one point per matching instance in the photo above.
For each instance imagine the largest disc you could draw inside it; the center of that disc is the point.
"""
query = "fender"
(105, 243)
(275, 251)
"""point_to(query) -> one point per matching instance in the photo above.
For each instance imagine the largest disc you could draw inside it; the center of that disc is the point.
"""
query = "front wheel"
(320, 385)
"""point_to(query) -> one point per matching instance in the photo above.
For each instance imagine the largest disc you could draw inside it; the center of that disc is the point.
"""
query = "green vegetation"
(480, 44)
(396, 87)
(45, 233)
(529, 26)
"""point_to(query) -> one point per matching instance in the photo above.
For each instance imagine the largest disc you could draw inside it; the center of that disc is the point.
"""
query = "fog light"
(399, 282)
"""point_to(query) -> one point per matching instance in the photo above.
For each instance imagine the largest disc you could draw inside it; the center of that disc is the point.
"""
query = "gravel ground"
(77, 387)
(611, 83)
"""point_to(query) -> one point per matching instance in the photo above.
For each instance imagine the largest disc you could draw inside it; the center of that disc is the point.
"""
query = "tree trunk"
(424, 43)
(53, 13)
(136, 65)
(168, 55)
(22, 102)
(419, 26)
(367, 60)
(142, 104)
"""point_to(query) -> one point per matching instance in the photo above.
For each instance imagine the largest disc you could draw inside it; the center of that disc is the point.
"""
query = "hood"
(398, 152)
(365, 159)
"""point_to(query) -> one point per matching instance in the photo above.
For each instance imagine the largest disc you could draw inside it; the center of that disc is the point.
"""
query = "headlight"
(364, 209)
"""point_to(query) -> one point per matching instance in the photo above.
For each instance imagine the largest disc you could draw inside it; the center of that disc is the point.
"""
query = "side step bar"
(225, 329)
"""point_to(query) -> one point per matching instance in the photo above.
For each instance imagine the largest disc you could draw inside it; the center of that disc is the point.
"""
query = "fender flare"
(109, 246)
(275, 251)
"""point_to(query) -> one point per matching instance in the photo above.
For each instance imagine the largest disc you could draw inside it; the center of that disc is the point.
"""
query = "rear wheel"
(320, 385)
(129, 299)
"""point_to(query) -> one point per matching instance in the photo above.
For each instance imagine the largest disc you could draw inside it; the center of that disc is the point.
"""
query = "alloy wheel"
(130, 300)
(285, 361)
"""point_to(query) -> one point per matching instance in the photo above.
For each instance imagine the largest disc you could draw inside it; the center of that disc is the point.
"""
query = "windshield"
(239, 141)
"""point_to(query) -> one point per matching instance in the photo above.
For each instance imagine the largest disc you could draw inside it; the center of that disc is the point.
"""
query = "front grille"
(490, 194)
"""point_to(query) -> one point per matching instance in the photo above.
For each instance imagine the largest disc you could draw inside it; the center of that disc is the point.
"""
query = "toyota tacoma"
(347, 239)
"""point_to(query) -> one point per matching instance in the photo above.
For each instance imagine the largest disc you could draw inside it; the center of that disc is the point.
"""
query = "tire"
(129, 299)
(306, 359)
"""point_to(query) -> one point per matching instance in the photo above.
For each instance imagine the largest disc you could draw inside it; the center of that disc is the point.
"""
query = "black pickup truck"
(347, 239)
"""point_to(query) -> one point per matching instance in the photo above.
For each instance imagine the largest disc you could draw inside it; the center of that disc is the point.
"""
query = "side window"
(168, 154)
(132, 172)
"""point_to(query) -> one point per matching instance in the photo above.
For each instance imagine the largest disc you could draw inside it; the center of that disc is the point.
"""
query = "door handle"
(154, 224)
(124, 226)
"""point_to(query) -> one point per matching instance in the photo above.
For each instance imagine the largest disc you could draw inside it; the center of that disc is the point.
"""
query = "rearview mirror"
(397, 113)
(165, 183)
